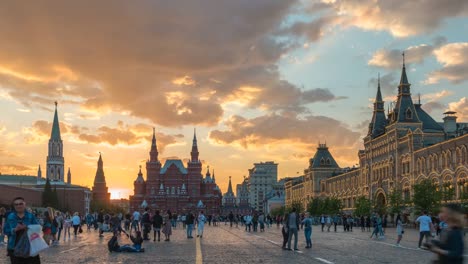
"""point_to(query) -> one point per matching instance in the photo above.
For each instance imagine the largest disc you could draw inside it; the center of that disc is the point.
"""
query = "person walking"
(285, 232)
(167, 226)
(248, 222)
(136, 221)
(293, 222)
(329, 222)
(362, 223)
(231, 218)
(2, 224)
(308, 229)
(425, 223)
(368, 223)
(189, 219)
(450, 247)
(15, 227)
(67, 224)
(201, 224)
(157, 222)
(399, 229)
(261, 221)
(146, 224)
(76, 220)
(336, 219)
(322, 221)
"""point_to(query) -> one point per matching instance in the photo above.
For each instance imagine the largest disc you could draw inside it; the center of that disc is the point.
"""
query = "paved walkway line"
(71, 249)
(324, 260)
(199, 257)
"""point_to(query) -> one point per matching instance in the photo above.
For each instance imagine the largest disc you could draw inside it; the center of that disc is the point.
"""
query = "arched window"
(322, 161)
(409, 114)
(328, 161)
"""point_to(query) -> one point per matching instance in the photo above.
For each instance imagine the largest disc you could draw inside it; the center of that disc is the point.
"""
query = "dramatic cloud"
(141, 59)
(453, 59)
(121, 134)
(392, 59)
(388, 83)
(431, 106)
(401, 18)
(14, 168)
(303, 133)
(461, 107)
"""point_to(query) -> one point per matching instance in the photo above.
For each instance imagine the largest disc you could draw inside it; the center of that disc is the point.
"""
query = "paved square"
(223, 244)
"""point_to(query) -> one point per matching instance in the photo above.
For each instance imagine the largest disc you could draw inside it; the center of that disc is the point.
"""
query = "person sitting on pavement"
(113, 244)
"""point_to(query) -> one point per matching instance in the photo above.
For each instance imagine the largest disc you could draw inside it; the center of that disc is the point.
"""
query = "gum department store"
(401, 148)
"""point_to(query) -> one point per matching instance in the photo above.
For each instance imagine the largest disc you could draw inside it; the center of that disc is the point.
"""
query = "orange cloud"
(453, 59)
(461, 107)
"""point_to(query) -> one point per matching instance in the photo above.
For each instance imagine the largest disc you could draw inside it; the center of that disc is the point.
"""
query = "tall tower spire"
(404, 111)
(154, 148)
(194, 153)
(379, 121)
(214, 180)
(100, 190)
(230, 186)
(55, 160)
(69, 176)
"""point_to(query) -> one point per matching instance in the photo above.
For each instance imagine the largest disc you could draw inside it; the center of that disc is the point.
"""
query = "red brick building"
(174, 186)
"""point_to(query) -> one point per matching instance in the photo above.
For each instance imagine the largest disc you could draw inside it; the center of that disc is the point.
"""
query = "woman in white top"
(67, 223)
(399, 229)
(201, 224)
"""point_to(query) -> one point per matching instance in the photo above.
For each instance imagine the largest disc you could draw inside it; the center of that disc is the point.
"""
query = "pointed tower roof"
(69, 176)
(194, 138)
(154, 148)
(404, 111)
(214, 180)
(194, 153)
(208, 175)
(379, 121)
(100, 178)
(403, 78)
(55, 135)
(229, 191)
(140, 177)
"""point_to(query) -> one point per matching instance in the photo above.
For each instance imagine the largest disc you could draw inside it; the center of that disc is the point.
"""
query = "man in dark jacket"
(146, 222)
(157, 223)
(189, 219)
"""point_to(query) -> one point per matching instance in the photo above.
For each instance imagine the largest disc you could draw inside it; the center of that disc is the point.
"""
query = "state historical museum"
(176, 187)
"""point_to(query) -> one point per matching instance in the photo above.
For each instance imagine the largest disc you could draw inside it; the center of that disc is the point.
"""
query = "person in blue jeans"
(16, 225)
(425, 226)
(189, 219)
(307, 222)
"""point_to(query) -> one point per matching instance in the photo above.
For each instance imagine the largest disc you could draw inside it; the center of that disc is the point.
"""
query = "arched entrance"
(380, 203)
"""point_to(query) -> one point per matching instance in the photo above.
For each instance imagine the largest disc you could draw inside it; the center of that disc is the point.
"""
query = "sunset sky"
(260, 80)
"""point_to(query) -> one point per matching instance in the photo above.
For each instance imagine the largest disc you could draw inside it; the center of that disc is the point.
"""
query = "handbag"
(402, 231)
(80, 230)
(22, 246)
(37, 243)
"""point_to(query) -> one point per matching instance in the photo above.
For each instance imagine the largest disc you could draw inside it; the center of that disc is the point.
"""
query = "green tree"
(297, 205)
(332, 205)
(396, 203)
(363, 206)
(448, 192)
(278, 211)
(48, 196)
(315, 206)
(427, 197)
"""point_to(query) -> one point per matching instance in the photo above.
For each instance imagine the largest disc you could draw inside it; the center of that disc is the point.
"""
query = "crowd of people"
(140, 225)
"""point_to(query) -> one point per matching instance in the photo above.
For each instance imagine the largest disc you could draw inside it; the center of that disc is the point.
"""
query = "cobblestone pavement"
(223, 245)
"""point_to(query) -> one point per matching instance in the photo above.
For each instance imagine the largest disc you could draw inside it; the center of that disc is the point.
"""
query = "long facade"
(176, 187)
(401, 148)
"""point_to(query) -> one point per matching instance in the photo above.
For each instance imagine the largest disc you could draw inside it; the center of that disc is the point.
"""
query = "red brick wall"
(32, 197)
